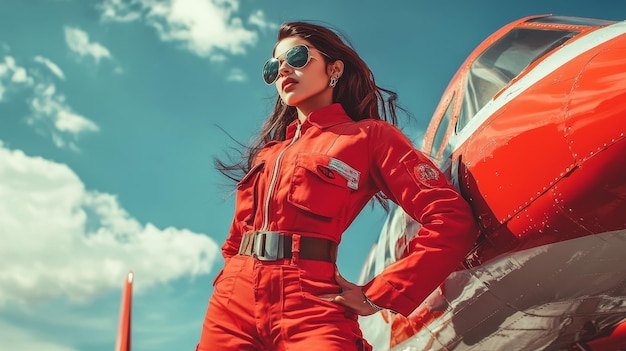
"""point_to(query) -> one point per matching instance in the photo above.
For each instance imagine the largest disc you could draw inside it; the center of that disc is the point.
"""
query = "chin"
(292, 102)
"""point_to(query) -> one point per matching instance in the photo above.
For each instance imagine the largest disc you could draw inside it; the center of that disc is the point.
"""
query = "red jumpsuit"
(314, 184)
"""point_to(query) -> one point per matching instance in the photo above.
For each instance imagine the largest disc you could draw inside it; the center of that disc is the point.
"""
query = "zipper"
(266, 208)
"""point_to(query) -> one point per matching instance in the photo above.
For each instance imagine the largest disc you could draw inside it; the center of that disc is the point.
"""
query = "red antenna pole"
(123, 332)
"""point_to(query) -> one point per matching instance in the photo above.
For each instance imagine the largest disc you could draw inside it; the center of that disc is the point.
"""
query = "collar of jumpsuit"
(322, 118)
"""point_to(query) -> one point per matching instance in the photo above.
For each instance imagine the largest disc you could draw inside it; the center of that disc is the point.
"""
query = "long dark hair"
(356, 91)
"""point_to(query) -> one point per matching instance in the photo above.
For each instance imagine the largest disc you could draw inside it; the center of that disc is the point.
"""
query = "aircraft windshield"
(503, 61)
(441, 132)
(572, 21)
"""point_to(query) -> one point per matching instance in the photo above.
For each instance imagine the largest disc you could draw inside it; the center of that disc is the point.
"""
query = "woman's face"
(305, 88)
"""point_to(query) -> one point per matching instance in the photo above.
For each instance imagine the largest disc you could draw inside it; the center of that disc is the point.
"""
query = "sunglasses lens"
(298, 56)
(270, 70)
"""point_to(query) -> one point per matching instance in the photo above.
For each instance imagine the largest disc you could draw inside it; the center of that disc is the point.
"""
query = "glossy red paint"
(615, 341)
(545, 135)
(543, 166)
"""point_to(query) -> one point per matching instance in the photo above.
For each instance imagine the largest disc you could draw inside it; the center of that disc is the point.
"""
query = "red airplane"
(531, 131)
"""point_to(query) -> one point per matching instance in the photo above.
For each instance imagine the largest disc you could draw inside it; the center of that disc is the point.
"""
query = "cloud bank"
(62, 240)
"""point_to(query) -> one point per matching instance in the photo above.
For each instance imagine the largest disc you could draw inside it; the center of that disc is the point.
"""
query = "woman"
(325, 151)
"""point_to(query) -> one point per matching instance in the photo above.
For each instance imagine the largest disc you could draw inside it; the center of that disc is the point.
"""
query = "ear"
(335, 69)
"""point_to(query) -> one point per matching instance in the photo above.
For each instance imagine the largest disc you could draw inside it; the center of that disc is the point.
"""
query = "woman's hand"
(351, 297)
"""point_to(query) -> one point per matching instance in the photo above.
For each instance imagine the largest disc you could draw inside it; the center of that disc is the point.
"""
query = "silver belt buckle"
(268, 246)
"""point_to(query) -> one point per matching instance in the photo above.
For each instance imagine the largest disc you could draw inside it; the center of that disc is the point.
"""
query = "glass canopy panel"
(502, 62)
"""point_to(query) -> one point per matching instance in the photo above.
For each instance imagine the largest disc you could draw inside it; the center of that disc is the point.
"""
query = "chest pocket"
(317, 188)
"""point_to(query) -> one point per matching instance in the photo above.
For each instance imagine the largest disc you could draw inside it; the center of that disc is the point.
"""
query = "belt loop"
(295, 248)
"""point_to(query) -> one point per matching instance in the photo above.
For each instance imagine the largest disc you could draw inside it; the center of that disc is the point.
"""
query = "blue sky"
(110, 114)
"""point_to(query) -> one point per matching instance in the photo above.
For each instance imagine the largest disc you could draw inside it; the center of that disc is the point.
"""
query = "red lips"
(287, 82)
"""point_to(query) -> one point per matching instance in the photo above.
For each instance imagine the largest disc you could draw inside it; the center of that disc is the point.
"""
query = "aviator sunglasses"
(296, 57)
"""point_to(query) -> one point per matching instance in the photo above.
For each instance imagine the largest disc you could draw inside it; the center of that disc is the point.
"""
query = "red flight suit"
(314, 184)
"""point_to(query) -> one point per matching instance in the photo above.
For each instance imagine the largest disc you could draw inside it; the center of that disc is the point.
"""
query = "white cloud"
(122, 10)
(12, 77)
(51, 66)
(236, 75)
(78, 42)
(258, 19)
(50, 113)
(208, 28)
(61, 240)
(20, 76)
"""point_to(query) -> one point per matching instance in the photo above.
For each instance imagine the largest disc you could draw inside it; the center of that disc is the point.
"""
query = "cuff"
(383, 294)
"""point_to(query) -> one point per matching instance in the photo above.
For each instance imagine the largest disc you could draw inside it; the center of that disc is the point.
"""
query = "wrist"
(372, 304)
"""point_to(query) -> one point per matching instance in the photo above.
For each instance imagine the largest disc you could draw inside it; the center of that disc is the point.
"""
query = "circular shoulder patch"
(428, 175)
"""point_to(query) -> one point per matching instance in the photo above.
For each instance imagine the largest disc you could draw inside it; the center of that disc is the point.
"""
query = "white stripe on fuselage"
(551, 63)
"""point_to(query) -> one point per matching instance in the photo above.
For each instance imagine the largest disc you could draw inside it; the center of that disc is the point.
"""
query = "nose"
(284, 68)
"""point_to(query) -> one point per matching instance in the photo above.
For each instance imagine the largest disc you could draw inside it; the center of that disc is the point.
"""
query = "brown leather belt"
(270, 246)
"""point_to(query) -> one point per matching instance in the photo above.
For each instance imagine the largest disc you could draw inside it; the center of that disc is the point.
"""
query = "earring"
(333, 81)
(282, 102)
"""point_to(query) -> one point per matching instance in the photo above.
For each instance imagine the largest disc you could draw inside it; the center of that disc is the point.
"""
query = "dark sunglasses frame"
(294, 58)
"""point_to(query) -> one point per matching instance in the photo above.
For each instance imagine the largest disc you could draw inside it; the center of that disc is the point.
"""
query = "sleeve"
(448, 229)
(244, 211)
(231, 246)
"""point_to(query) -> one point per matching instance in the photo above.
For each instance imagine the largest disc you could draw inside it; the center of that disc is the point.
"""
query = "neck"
(302, 115)
(314, 103)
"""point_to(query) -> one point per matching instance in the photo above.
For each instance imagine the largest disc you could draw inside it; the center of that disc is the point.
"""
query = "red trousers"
(274, 306)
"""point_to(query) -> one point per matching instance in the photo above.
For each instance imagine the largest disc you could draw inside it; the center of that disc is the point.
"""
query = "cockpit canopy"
(497, 66)
(503, 61)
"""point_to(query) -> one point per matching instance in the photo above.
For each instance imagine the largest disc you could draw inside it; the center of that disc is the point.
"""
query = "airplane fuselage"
(531, 131)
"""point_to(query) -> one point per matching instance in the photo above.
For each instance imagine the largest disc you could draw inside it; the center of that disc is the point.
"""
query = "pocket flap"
(254, 170)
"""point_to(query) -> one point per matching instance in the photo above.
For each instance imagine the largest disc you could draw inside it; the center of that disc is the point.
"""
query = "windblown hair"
(356, 91)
